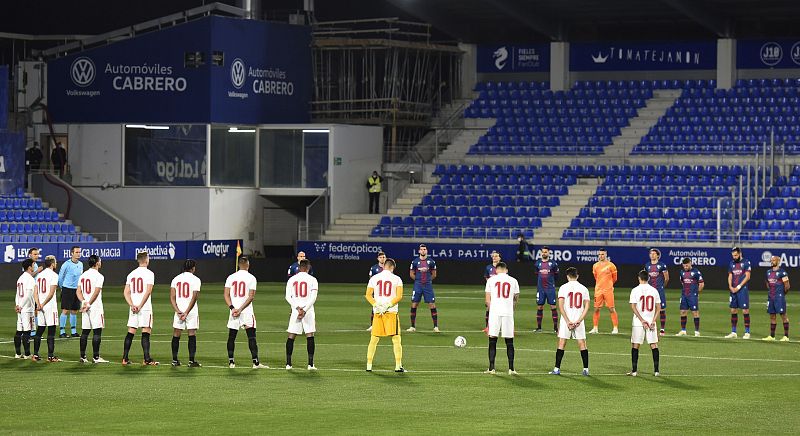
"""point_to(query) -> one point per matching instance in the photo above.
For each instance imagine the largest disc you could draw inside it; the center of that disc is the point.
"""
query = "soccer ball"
(460, 342)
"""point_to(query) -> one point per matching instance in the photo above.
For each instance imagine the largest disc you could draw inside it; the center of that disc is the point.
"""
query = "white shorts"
(501, 326)
(639, 334)
(25, 321)
(304, 326)
(143, 319)
(93, 319)
(192, 321)
(578, 333)
(47, 318)
(245, 320)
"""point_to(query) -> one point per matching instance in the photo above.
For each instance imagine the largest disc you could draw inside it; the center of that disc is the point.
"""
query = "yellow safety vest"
(374, 184)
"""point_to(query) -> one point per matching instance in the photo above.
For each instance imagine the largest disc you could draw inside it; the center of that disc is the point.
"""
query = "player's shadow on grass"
(596, 382)
(673, 383)
(521, 381)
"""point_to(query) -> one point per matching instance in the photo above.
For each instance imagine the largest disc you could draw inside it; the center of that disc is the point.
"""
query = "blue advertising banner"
(622, 255)
(513, 58)
(759, 54)
(12, 161)
(642, 56)
(173, 157)
(3, 96)
(267, 75)
(158, 250)
(214, 69)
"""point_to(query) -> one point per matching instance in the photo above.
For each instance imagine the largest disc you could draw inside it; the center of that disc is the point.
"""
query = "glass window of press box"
(158, 155)
(293, 158)
(233, 152)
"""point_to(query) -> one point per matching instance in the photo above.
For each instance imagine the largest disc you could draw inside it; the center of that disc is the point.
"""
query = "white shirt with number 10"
(301, 291)
(502, 288)
(385, 286)
(575, 295)
(647, 301)
(240, 284)
(138, 280)
(88, 283)
(185, 284)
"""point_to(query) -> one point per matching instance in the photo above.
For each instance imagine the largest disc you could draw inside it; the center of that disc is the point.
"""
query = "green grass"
(708, 384)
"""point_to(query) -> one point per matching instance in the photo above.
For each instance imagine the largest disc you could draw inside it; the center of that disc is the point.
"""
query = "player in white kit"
(240, 290)
(138, 289)
(47, 309)
(24, 305)
(183, 293)
(301, 293)
(502, 294)
(573, 304)
(646, 304)
(90, 289)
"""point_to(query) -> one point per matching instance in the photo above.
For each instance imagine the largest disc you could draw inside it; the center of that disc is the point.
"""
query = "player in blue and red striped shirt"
(423, 272)
(491, 270)
(375, 269)
(738, 278)
(547, 274)
(691, 286)
(658, 277)
(778, 286)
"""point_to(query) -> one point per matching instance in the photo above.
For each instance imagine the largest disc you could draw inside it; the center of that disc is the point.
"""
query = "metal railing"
(141, 236)
(317, 217)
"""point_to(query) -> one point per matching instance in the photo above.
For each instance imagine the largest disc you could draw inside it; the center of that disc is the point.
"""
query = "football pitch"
(708, 384)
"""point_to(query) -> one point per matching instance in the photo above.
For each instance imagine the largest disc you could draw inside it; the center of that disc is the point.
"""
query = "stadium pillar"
(559, 66)
(469, 69)
(726, 63)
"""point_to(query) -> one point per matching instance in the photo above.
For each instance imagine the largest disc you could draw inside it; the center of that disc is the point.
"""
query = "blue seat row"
(36, 228)
(28, 215)
(464, 221)
(650, 212)
(640, 235)
(45, 239)
(770, 223)
(490, 200)
(770, 236)
(648, 223)
(661, 191)
(761, 111)
(449, 232)
(559, 149)
(741, 91)
(526, 190)
(552, 106)
(20, 203)
(480, 86)
(677, 123)
(485, 211)
(708, 148)
(645, 84)
(594, 171)
(462, 179)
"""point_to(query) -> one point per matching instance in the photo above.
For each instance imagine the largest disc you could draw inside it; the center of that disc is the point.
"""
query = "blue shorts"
(777, 305)
(421, 291)
(663, 296)
(548, 294)
(740, 300)
(689, 302)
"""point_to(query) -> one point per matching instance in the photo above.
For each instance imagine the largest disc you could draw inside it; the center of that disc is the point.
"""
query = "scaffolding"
(383, 72)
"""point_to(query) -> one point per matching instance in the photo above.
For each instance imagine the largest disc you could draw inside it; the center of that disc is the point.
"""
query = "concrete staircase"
(648, 116)
(357, 227)
(553, 227)
(458, 148)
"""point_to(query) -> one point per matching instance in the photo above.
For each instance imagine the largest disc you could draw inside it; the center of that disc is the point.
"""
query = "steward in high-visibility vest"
(374, 188)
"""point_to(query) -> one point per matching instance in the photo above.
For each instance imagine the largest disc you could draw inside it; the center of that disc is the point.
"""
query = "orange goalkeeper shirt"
(605, 275)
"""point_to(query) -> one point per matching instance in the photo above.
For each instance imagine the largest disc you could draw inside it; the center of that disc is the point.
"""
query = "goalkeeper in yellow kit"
(384, 292)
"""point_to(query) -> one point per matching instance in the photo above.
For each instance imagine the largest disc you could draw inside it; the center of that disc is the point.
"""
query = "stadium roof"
(476, 21)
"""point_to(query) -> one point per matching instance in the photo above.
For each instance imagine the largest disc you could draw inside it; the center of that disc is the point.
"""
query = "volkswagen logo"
(82, 71)
(237, 73)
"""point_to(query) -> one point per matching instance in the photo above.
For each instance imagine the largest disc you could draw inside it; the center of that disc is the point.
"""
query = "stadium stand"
(25, 219)
(732, 122)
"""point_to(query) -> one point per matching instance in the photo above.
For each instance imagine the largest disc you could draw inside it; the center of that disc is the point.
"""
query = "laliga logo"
(599, 58)
(320, 247)
(237, 73)
(9, 255)
(500, 55)
(765, 259)
(771, 53)
(82, 71)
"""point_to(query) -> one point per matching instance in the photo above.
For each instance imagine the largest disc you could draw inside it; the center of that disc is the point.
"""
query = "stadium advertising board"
(12, 161)
(622, 255)
(760, 53)
(513, 58)
(195, 72)
(3, 96)
(173, 157)
(158, 250)
(267, 73)
(643, 56)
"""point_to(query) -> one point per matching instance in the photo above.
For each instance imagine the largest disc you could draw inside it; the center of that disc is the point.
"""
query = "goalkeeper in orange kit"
(605, 275)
